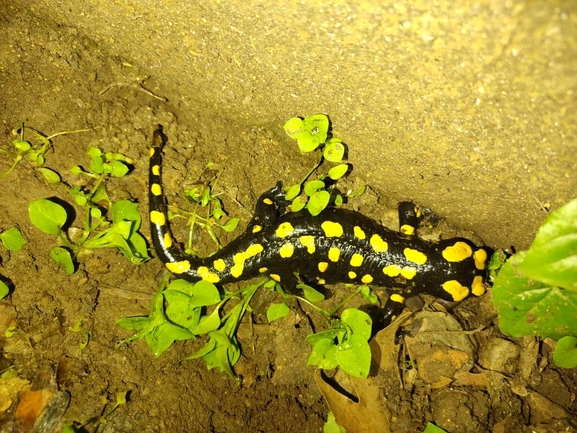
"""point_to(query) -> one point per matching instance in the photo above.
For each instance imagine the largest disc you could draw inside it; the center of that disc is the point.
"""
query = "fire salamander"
(337, 246)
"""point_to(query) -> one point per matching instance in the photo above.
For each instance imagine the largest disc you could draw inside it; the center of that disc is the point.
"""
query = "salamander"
(336, 246)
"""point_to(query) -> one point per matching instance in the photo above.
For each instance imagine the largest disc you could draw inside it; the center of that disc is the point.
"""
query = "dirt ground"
(476, 381)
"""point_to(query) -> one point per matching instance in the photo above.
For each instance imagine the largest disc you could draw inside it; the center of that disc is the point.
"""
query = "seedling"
(119, 230)
(36, 155)
(97, 420)
(211, 206)
(312, 133)
(536, 290)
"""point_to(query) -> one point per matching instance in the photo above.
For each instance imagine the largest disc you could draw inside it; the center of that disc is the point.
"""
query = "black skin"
(271, 212)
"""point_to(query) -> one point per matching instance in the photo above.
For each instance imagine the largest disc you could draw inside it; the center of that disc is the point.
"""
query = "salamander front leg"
(269, 206)
(409, 215)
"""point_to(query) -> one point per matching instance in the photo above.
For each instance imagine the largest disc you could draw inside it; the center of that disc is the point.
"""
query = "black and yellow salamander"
(337, 246)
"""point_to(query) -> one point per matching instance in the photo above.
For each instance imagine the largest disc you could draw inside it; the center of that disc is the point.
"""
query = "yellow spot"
(236, 269)
(392, 270)
(157, 218)
(309, 243)
(357, 260)
(332, 229)
(407, 229)
(478, 286)
(156, 189)
(253, 250)
(480, 257)
(239, 259)
(458, 252)
(367, 279)
(275, 277)
(323, 266)
(334, 254)
(378, 244)
(151, 151)
(287, 250)
(256, 229)
(395, 297)
(321, 281)
(219, 265)
(263, 270)
(206, 275)
(156, 170)
(415, 256)
(167, 240)
(417, 212)
(454, 288)
(359, 233)
(284, 230)
(267, 201)
(178, 267)
(352, 275)
(408, 273)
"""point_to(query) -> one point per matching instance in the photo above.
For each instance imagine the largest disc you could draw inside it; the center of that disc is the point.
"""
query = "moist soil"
(61, 81)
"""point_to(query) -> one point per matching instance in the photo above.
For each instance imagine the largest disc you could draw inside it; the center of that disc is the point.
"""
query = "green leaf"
(62, 256)
(338, 171)
(552, 258)
(293, 127)
(97, 165)
(354, 356)
(293, 191)
(182, 286)
(313, 339)
(50, 175)
(298, 203)
(359, 322)
(67, 429)
(318, 126)
(528, 307)
(338, 200)
(331, 425)
(307, 142)
(94, 152)
(358, 192)
(565, 354)
(139, 248)
(323, 354)
(367, 295)
(21, 145)
(231, 225)
(100, 194)
(312, 186)
(76, 170)
(208, 323)
(179, 311)
(432, 428)
(119, 169)
(134, 323)
(318, 202)
(311, 294)
(205, 350)
(162, 337)
(13, 239)
(4, 290)
(204, 294)
(334, 150)
(47, 216)
(126, 210)
(277, 311)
